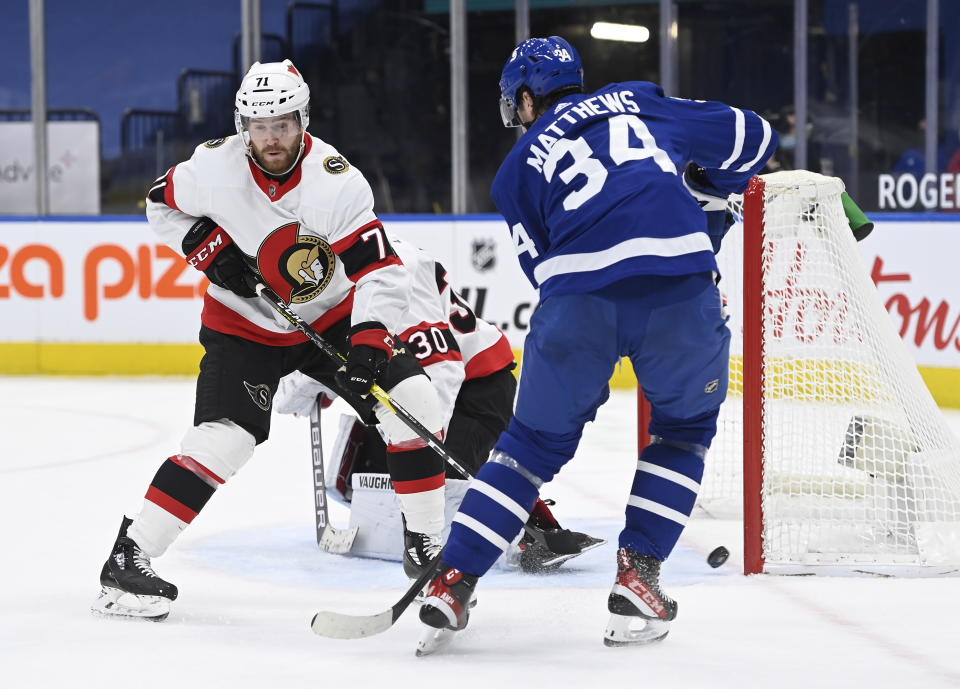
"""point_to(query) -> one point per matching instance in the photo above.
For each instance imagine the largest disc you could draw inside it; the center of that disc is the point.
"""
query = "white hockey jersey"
(438, 328)
(442, 332)
(314, 238)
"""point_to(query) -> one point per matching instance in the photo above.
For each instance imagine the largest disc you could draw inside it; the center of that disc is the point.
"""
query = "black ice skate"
(637, 598)
(555, 545)
(446, 608)
(130, 587)
(418, 550)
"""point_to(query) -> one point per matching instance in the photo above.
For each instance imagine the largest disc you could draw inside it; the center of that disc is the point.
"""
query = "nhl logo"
(273, 190)
(484, 254)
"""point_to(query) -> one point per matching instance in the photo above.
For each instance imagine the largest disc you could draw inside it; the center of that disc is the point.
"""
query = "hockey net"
(829, 443)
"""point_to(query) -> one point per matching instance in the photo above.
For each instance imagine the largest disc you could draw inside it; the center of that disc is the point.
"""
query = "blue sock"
(493, 512)
(662, 497)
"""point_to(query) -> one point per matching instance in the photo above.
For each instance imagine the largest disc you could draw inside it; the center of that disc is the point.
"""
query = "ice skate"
(418, 550)
(640, 612)
(558, 544)
(130, 587)
(446, 608)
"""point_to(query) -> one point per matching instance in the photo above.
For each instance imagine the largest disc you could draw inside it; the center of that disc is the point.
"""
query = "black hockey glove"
(711, 200)
(210, 249)
(371, 347)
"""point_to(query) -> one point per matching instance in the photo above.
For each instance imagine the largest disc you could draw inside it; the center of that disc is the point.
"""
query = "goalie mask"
(269, 91)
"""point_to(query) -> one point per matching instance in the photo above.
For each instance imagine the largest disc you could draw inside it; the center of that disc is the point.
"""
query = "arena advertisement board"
(92, 283)
(73, 168)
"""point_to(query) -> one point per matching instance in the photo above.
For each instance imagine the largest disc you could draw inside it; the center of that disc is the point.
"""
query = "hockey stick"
(556, 542)
(329, 538)
(340, 626)
(335, 625)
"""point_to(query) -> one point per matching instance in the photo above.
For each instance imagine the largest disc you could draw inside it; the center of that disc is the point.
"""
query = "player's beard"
(277, 165)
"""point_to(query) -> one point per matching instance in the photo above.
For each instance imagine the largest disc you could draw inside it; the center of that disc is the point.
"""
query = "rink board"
(104, 296)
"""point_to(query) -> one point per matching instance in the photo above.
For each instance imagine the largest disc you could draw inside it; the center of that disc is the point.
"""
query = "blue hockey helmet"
(541, 64)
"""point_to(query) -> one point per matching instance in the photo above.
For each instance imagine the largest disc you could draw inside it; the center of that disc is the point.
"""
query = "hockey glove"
(371, 347)
(210, 249)
(709, 197)
(711, 200)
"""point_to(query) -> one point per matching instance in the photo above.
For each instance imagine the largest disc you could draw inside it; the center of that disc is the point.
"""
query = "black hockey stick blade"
(335, 625)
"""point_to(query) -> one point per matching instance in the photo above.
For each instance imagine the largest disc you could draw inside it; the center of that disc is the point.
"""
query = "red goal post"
(829, 446)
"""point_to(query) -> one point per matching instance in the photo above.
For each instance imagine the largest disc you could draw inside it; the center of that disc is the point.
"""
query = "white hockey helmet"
(270, 89)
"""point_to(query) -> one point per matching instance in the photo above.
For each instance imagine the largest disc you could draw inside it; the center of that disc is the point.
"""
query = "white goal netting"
(859, 469)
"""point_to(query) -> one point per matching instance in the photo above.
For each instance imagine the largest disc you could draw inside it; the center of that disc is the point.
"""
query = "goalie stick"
(329, 538)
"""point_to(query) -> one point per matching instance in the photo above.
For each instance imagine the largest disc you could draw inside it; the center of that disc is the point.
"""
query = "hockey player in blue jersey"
(605, 197)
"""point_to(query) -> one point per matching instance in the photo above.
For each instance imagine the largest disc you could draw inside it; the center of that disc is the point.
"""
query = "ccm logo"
(200, 257)
(263, 102)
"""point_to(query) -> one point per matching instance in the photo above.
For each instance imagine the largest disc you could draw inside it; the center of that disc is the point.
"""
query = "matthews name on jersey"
(313, 237)
(616, 157)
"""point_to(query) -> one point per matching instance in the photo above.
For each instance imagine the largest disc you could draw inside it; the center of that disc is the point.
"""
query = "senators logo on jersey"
(297, 266)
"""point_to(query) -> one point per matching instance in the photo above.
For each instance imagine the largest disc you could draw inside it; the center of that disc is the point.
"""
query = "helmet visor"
(508, 111)
(261, 130)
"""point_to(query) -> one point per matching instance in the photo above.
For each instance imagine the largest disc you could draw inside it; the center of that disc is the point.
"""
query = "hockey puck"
(718, 556)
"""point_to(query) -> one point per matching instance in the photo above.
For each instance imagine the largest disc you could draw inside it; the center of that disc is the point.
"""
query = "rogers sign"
(929, 192)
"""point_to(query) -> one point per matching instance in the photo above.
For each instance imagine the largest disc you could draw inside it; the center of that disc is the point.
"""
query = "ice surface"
(77, 453)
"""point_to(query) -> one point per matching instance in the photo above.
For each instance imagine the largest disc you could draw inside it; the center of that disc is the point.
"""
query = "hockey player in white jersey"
(275, 204)
(471, 363)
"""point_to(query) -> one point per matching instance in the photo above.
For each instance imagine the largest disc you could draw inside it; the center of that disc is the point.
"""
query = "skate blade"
(627, 630)
(434, 640)
(590, 543)
(116, 603)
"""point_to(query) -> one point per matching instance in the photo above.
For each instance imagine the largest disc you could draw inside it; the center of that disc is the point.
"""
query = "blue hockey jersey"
(593, 191)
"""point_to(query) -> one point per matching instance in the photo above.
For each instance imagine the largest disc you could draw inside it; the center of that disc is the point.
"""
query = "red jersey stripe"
(168, 196)
(223, 319)
(490, 360)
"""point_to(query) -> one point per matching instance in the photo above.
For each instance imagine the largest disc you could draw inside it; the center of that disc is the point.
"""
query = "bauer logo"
(260, 394)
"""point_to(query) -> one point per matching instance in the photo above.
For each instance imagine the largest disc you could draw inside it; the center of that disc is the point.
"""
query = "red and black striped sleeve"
(365, 250)
(162, 190)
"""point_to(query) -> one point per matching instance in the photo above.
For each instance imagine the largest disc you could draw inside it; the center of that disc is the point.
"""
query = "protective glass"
(265, 129)
(508, 111)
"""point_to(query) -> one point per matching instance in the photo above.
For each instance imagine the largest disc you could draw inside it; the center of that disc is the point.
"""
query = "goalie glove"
(209, 249)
